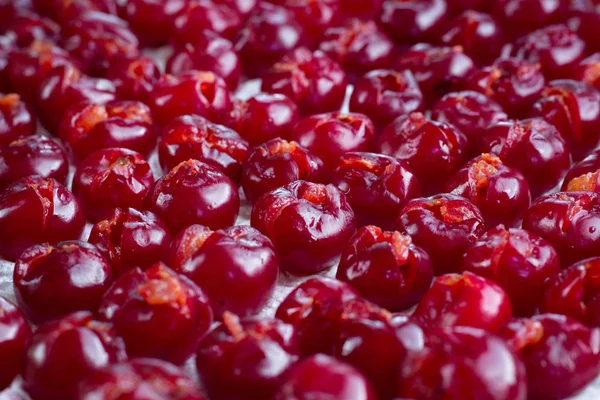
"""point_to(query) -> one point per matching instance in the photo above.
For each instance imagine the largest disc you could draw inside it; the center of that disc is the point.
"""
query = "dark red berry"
(64, 11)
(152, 21)
(585, 22)
(14, 339)
(314, 16)
(26, 27)
(200, 15)
(16, 119)
(134, 77)
(413, 21)
(583, 176)
(588, 70)
(363, 10)
(523, 16)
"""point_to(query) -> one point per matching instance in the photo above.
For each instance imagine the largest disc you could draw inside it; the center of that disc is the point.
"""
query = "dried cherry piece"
(384, 95)
(583, 176)
(500, 192)
(413, 21)
(16, 119)
(518, 260)
(377, 186)
(130, 238)
(194, 137)
(152, 21)
(308, 223)
(14, 339)
(37, 210)
(158, 313)
(443, 225)
(195, 193)
(386, 268)
(200, 15)
(134, 77)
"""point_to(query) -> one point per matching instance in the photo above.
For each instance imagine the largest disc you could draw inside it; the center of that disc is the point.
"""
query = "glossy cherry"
(26, 27)
(377, 186)
(134, 77)
(14, 339)
(314, 16)
(158, 313)
(37, 210)
(583, 176)
(200, 15)
(287, 216)
(16, 119)
(130, 238)
(413, 21)
(444, 226)
(523, 16)
(588, 70)
(65, 11)
(152, 21)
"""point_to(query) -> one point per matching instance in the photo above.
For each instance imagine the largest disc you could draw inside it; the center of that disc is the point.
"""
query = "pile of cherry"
(463, 182)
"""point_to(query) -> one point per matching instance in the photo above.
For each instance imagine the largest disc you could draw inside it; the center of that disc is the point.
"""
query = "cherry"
(152, 21)
(331, 135)
(431, 149)
(264, 117)
(514, 84)
(523, 16)
(48, 283)
(87, 127)
(95, 38)
(208, 52)
(65, 86)
(358, 46)
(65, 11)
(574, 292)
(37, 210)
(574, 109)
(194, 137)
(111, 178)
(364, 10)
(130, 238)
(243, 7)
(518, 260)
(533, 146)
(588, 70)
(314, 81)
(246, 359)
(584, 22)
(568, 221)
(32, 155)
(583, 176)
(14, 339)
(270, 33)
(413, 21)
(10, 8)
(158, 313)
(385, 268)
(192, 92)
(540, 339)
(443, 225)
(324, 377)
(139, 378)
(200, 15)
(247, 272)
(469, 111)
(26, 27)
(314, 16)
(63, 352)
(288, 216)
(377, 186)
(438, 70)
(384, 95)
(195, 193)
(134, 77)
(16, 119)
(7, 46)
(448, 365)
(500, 192)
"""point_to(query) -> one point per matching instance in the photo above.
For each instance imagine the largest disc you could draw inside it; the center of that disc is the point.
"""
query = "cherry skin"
(583, 176)
(37, 210)
(32, 155)
(14, 339)
(314, 81)
(158, 313)
(187, 195)
(63, 12)
(130, 238)
(574, 292)
(377, 186)
(325, 377)
(314, 16)
(431, 149)
(539, 339)
(287, 216)
(247, 272)
(444, 226)
(264, 117)
(134, 77)
(87, 127)
(194, 137)
(139, 378)
(65, 351)
(523, 16)
(588, 70)
(331, 135)
(152, 21)
(385, 268)
(26, 27)
(413, 21)
(567, 220)
(16, 119)
(208, 52)
(500, 192)
(192, 92)
(200, 15)
(517, 260)
(246, 359)
(384, 95)
(277, 163)
(111, 178)
(7, 46)
(48, 284)
(533, 146)
(574, 109)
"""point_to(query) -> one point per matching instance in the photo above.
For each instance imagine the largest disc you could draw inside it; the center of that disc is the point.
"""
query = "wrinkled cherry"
(200, 15)
(15, 334)
(134, 77)
(152, 21)
(130, 238)
(583, 176)
(158, 313)
(413, 21)
(16, 119)
(288, 216)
